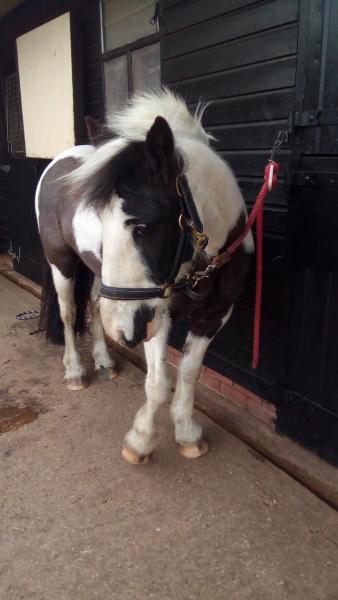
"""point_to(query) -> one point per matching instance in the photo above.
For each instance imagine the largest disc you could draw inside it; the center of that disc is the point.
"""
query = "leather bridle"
(191, 232)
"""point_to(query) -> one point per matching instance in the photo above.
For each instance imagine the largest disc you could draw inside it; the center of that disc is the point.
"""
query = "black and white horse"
(123, 210)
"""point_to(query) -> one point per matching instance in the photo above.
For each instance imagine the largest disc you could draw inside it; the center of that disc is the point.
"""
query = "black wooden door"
(24, 235)
(308, 402)
(242, 55)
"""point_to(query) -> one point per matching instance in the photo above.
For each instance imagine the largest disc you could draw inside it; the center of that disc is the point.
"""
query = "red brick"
(256, 398)
(225, 389)
(6, 262)
(225, 380)
(170, 359)
(176, 360)
(209, 379)
(237, 397)
(242, 390)
(262, 410)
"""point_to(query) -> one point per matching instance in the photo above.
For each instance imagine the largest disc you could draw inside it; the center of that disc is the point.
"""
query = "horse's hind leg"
(75, 372)
(104, 365)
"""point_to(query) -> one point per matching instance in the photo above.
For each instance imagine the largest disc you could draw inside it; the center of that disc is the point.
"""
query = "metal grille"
(15, 131)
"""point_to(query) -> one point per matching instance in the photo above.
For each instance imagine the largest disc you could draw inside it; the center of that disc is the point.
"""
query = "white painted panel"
(45, 71)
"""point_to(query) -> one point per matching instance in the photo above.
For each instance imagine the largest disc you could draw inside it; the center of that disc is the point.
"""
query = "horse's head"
(135, 193)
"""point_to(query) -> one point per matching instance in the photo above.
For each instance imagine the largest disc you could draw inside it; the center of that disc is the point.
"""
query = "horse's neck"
(215, 191)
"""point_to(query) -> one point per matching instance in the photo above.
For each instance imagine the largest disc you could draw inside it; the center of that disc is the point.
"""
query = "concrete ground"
(79, 523)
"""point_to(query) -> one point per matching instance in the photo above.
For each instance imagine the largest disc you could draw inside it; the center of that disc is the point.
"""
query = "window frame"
(128, 50)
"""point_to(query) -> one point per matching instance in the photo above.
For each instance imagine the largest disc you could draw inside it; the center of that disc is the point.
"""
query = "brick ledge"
(246, 400)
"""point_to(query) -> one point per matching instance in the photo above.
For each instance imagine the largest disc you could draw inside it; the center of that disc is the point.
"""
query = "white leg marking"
(142, 436)
(100, 351)
(186, 429)
(65, 292)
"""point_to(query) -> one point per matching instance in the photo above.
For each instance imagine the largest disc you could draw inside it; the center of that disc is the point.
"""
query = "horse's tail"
(50, 319)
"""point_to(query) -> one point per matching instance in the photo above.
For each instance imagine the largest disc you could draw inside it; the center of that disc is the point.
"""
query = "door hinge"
(313, 179)
(312, 118)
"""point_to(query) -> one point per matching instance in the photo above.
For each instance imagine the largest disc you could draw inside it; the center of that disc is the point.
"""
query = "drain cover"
(27, 315)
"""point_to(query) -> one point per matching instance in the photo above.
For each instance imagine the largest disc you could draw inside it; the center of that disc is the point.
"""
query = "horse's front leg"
(188, 433)
(104, 364)
(141, 440)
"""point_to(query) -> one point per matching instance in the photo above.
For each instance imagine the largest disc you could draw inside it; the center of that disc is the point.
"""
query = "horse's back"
(61, 165)
(55, 205)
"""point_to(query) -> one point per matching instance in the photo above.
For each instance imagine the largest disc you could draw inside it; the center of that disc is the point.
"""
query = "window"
(132, 49)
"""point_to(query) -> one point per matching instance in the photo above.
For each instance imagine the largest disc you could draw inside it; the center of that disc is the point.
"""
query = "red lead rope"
(270, 180)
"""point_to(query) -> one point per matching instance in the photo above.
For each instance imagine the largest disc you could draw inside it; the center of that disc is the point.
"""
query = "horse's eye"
(140, 231)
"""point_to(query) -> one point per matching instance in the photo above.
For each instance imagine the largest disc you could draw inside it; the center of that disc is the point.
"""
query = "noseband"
(191, 231)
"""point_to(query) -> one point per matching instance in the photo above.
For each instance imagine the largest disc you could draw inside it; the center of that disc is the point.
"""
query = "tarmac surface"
(79, 523)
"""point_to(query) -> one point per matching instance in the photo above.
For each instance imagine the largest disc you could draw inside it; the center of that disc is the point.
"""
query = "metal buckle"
(181, 222)
(201, 238)
(167, 290)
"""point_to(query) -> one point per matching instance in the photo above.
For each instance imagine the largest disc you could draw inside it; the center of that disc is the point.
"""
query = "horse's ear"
(97, 132)
(160, 142)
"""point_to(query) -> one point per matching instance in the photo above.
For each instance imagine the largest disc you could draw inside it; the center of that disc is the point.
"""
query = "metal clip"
(195, 278)
(281, 138)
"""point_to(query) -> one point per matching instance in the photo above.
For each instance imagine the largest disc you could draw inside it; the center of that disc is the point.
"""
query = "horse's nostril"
(121, 339)
(129, 343)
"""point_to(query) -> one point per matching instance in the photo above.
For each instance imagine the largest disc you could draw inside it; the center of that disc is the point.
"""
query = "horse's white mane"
(134, 121)
(216, 193)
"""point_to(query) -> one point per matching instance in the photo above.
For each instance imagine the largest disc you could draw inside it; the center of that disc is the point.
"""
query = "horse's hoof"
(107, 374)
(77, 384)
(194, 449)
(134, 458)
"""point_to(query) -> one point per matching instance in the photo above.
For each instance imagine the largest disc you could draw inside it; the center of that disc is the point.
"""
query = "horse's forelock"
(136, 164)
